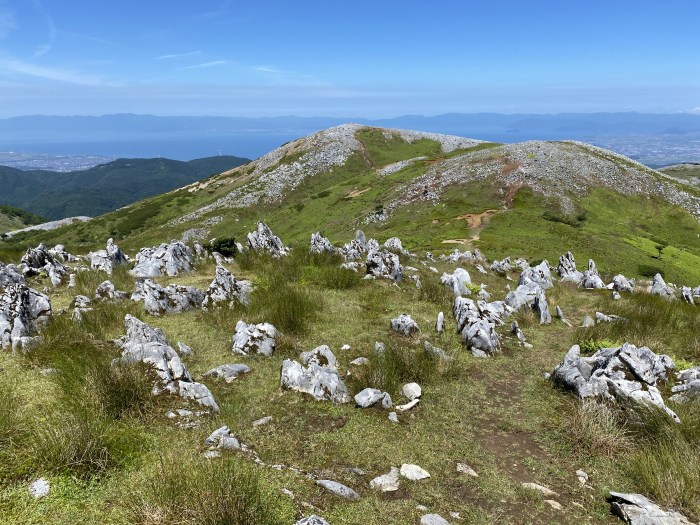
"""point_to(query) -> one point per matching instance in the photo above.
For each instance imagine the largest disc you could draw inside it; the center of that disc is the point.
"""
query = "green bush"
(649, 270)
(185, 490)
(226, 246)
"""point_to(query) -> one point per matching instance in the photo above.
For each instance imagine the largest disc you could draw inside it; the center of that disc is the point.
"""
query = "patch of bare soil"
(357, 193)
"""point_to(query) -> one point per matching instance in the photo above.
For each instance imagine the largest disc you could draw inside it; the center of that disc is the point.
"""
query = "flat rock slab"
(338, 489)
(635, 509)
(413, 472)
(433, 519)
(387, 482)
(539, 488)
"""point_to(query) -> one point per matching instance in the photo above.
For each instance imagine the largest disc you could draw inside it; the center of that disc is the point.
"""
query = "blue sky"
(378, 58)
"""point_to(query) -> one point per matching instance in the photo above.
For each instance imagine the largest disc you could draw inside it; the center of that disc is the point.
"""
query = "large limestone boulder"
(226, 290)
(476, 323)
(539, 274)
(174, 298)
(321, 382)
(687, 385)
(626, 372)
(167, 259)
(41, 259)
(636, 509)
(22, 311)
(404, 324)
(356, 248)
(501, 267)
(254, 339)
(145, 344)
(263, 240)
(10, 274)
(108, 258)
(659, 287)
(567, 269)
(457, 281)
(319, 244)
(384, 264)
(591, 278)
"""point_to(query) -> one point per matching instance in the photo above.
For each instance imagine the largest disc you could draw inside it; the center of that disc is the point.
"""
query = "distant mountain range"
(105, 187)
(655, 139)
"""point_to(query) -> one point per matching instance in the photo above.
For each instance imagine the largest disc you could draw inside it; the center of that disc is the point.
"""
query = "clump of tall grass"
(664, 326)
(227, 491)
(434, 291)
(596, 428)
(13, 430)
(86, 282)
(396, 365)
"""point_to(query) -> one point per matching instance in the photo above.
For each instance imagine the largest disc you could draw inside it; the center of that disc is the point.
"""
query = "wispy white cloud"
(178, 55)
(206, 64)
(268, 69)
(52, 32)
(695, 110)
(14, 66)
(7, 21)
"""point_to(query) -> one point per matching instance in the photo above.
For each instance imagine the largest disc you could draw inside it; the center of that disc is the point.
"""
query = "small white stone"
(262, 421)
(422, 508)
(554, 504)
(387, 482)
(539, 488)
(413, 472)
(582, 476)
(345, 347)
(39, 488)
(433, 519)
(407, 406)
(411, 391)
(462, 468)
(393, 417)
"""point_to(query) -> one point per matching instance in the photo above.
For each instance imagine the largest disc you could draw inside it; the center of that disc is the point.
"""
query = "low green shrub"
(226, 246)
(185, 490)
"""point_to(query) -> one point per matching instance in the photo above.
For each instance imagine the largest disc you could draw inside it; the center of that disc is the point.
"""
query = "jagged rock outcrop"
(501, 267)
(263, 240)
(22, 311)
(659, 287)
(591, 278)
(620, 283)
(254, 339)
(372, 396)
(636, 509)
(321, 382)
(107, 259)
(458, 281)
(404, 324)
(567, 269)
(529, 293)
(321, 355)
(174, 298)
(467, 256)
(476, 323)
(356, 248)
(312, 520)
(145, 344)
(166, 259)
(539, 274)
(384, 264)
(687, 295)
(107, 291)
(625, 372)
(319, 244)
(226, 289)
(222, 438)
(10, 274)
(393, 244)
(41, 259)
(80, 305)
(687, 385)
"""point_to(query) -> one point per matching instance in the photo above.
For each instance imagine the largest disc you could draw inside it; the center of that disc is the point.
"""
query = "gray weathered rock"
(174, 298)
(476, 322)
(600, 317)
(321, 382)
(501, 267)
(635, 509)
(166, 259)
(319, 244)
(687, 385)
(458, 281)
(360, 361)
(463, 468)
(372, 396)
(39, 259)
(626, 372)
(433, 519)
(262, 421)
(226, 290)
(591, 277)
(587, 322)
(145, 344)
(254, 339)
(393, 244)
(411, 391)
(567, 269)
(620, 283)
(387, 482)
(40, 488)
(440, 323)
(356, 248)
(539, 488)
(263, 240)
(107, 291)
(107, 259)
(413, 472)
(687, 295)
(80, 305)
(23, 310)
(659, 287)
(393, 417)
(321, 355)
(338, 489)
(517, 332)
(228, 372)
(384, 264)
(615, 296)
(541, 308)
(223, 438)
(312, 520)
(10, 275)
(404, 324)
(539, 274)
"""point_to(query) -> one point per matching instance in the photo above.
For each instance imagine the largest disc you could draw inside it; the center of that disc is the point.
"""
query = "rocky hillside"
(13, 218)
(436, 192)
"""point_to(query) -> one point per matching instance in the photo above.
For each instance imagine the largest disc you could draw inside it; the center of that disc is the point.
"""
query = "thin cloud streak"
(14, 66)
(51, 38)
(206, 64)
(178, 55)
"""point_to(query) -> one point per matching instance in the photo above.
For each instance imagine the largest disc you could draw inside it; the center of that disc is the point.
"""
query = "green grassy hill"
(533, 200)
(12, 218)
(105, 187)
